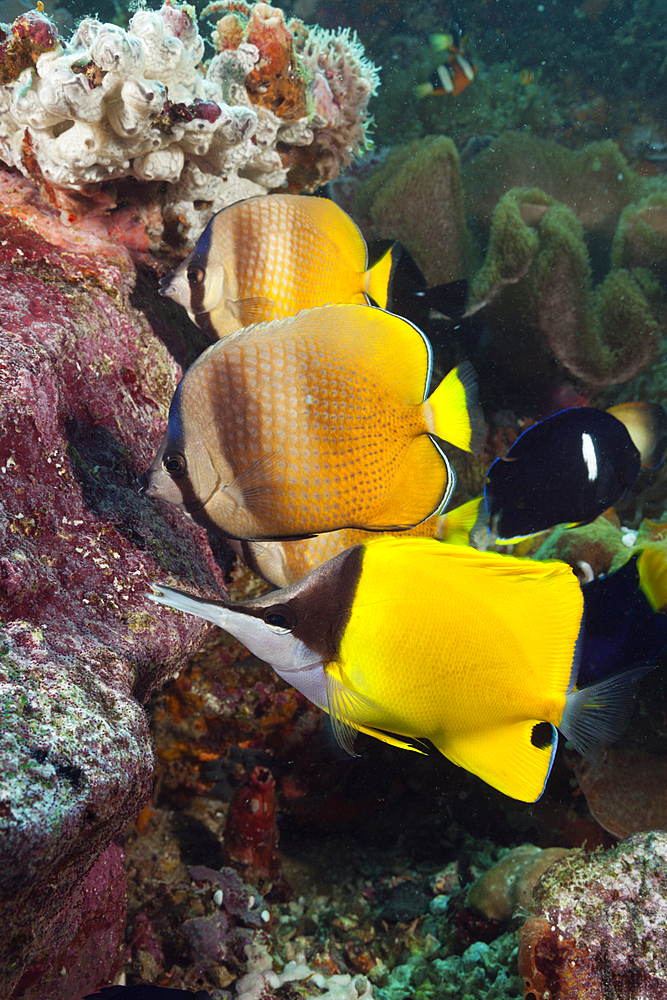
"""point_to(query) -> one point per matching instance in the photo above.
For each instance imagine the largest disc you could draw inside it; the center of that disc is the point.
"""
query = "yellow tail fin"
(456, 414)
(378, 278)
(652, 566)
(455, 527)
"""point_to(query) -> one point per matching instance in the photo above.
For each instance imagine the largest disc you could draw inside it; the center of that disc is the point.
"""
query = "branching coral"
(112, 107)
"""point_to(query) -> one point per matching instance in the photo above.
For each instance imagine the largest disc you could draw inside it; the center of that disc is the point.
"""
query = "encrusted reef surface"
(112, 115)
(262, 865)
(598, 927)
(85, 385)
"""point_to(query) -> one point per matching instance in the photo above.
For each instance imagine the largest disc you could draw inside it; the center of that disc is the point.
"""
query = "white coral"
(108, 106)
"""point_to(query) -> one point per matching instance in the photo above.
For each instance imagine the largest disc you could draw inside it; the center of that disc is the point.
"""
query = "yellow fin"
(378, 278)
(384, 346)
(331, 225)
(251, 310)
(393, 741)
(456, 414)
(507, 758)
(424, 480)
(652, 566)
(344, 707)
(458, 523)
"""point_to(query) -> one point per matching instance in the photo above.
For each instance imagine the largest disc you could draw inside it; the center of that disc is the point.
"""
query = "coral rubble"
(278, 104)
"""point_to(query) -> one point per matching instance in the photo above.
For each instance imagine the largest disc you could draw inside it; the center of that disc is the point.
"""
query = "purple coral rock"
(237, 897)
(84, 390)
(599, 926)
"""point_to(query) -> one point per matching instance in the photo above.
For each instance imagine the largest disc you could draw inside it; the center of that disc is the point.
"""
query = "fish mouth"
(163, 285)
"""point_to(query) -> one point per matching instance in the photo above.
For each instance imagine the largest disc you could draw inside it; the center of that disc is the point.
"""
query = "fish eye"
(174, 463)
(280, 618)
(196, 275)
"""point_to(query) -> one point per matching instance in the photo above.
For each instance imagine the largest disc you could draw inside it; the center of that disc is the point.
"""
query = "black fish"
(622, 628)
(566, 469)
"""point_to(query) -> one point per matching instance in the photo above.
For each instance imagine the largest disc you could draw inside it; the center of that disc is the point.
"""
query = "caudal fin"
(379, 277)
(596, 716)
(457, 415)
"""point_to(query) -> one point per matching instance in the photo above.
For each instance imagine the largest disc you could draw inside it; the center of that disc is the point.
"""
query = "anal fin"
(516, 759)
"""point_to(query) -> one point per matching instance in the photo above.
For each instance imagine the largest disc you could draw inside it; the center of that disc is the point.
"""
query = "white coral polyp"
(160, 165)
(108, 106)
(114, 51)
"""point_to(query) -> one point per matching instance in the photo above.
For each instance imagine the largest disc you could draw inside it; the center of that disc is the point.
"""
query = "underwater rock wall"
(277, 105)
(85, 385)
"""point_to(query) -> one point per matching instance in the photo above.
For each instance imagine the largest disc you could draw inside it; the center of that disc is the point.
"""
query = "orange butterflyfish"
(283, 563)
(314, 423)
(268, 257)
(406, 639)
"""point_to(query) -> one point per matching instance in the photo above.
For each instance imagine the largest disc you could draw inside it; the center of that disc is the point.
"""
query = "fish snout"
(163, 287)
(146, 485)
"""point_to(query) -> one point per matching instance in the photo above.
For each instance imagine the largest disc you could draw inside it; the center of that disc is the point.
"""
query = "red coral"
(275, 82)
(552, 966)
(32, 34)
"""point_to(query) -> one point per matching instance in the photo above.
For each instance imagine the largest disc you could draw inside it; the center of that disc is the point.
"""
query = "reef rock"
(112, 115)
(599, 925)
(509, 884)
(626, 791)
(85, 385)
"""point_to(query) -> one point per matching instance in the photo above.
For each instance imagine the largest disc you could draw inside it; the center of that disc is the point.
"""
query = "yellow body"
(471, 652)
(283, 563)
(266, 258)
(319, 422)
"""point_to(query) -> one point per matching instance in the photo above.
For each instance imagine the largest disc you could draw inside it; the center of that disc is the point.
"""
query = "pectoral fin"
(253, 487)
(346, 707)
(252, 310)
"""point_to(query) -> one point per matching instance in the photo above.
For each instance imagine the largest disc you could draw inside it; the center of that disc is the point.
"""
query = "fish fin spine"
(456, 414)
(378, 278)
(596, 716)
